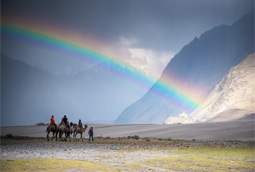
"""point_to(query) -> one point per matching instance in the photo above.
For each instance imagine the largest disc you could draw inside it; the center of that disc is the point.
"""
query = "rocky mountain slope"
(233, 98)
(202, 63)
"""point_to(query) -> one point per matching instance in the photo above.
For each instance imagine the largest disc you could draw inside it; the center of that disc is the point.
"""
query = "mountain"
(201, 64)
(30, 95)
(22, 88)
(103, 91)
(233, 98)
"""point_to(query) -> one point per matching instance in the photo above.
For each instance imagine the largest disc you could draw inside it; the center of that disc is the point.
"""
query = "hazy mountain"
(103, 91)
(202, 63)
(30, 95)
(23, 92)
(233, 97)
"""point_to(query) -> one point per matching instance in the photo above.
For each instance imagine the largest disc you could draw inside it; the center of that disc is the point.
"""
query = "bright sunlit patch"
(150, 61)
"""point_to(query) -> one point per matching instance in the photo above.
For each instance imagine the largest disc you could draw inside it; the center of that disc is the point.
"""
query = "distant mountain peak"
(202, 63)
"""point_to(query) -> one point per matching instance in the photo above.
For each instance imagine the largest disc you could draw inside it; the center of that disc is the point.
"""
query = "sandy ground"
(235, 130)
(156, 148)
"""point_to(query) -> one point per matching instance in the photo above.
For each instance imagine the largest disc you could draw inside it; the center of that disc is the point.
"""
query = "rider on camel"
(52, 121)
(65, 121)
(80, 124)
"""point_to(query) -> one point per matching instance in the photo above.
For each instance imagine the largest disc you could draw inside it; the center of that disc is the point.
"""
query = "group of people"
(65, 120)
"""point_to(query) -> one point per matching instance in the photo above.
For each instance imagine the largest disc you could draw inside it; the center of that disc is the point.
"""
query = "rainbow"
(176, 91)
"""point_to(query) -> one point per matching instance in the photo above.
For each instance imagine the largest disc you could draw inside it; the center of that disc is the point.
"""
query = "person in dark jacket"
(65, 119)
(91, 134)
(80, 124)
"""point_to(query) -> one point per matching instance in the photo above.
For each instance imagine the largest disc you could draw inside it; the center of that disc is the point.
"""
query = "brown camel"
(71, 128)
(78, 130)
(63, 129)
(52, 128)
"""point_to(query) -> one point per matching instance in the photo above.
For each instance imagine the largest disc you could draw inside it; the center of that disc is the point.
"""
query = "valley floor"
(226, 146)
(125, 154)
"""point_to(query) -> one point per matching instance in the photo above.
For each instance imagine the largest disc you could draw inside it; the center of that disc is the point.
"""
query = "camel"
(78, 130)
(63, 129)
(71, 129)
(52, 128)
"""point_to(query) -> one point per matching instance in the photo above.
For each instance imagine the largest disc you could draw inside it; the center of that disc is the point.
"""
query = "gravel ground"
(112, 153)
(106, 154)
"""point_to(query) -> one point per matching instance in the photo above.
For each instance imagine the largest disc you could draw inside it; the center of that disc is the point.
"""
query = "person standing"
(91, 134)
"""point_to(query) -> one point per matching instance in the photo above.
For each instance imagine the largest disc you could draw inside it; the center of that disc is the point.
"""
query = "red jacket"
(52, 120)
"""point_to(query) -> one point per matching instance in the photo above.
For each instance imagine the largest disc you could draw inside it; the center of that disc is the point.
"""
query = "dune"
(242, 130)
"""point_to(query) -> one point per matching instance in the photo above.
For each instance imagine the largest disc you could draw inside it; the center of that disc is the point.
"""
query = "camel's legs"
(48, 136)
(53, 136)
(56, 136)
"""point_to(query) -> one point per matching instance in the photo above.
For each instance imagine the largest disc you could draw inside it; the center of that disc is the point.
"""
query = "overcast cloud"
(147, 32)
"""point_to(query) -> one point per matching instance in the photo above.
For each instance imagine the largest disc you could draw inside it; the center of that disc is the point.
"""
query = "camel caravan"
(65, 128)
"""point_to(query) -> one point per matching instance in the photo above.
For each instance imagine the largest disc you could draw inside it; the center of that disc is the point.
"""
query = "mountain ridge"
(209, 56)
(231, 99)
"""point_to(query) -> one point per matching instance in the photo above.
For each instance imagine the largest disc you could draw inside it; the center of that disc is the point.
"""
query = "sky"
(145, 34)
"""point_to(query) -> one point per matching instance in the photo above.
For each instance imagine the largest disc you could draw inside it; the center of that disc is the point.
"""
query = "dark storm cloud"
(157, 24)
(145, 33)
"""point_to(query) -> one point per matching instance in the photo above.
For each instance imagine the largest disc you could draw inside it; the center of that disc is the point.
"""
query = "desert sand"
(234, 130)
(231, 144)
